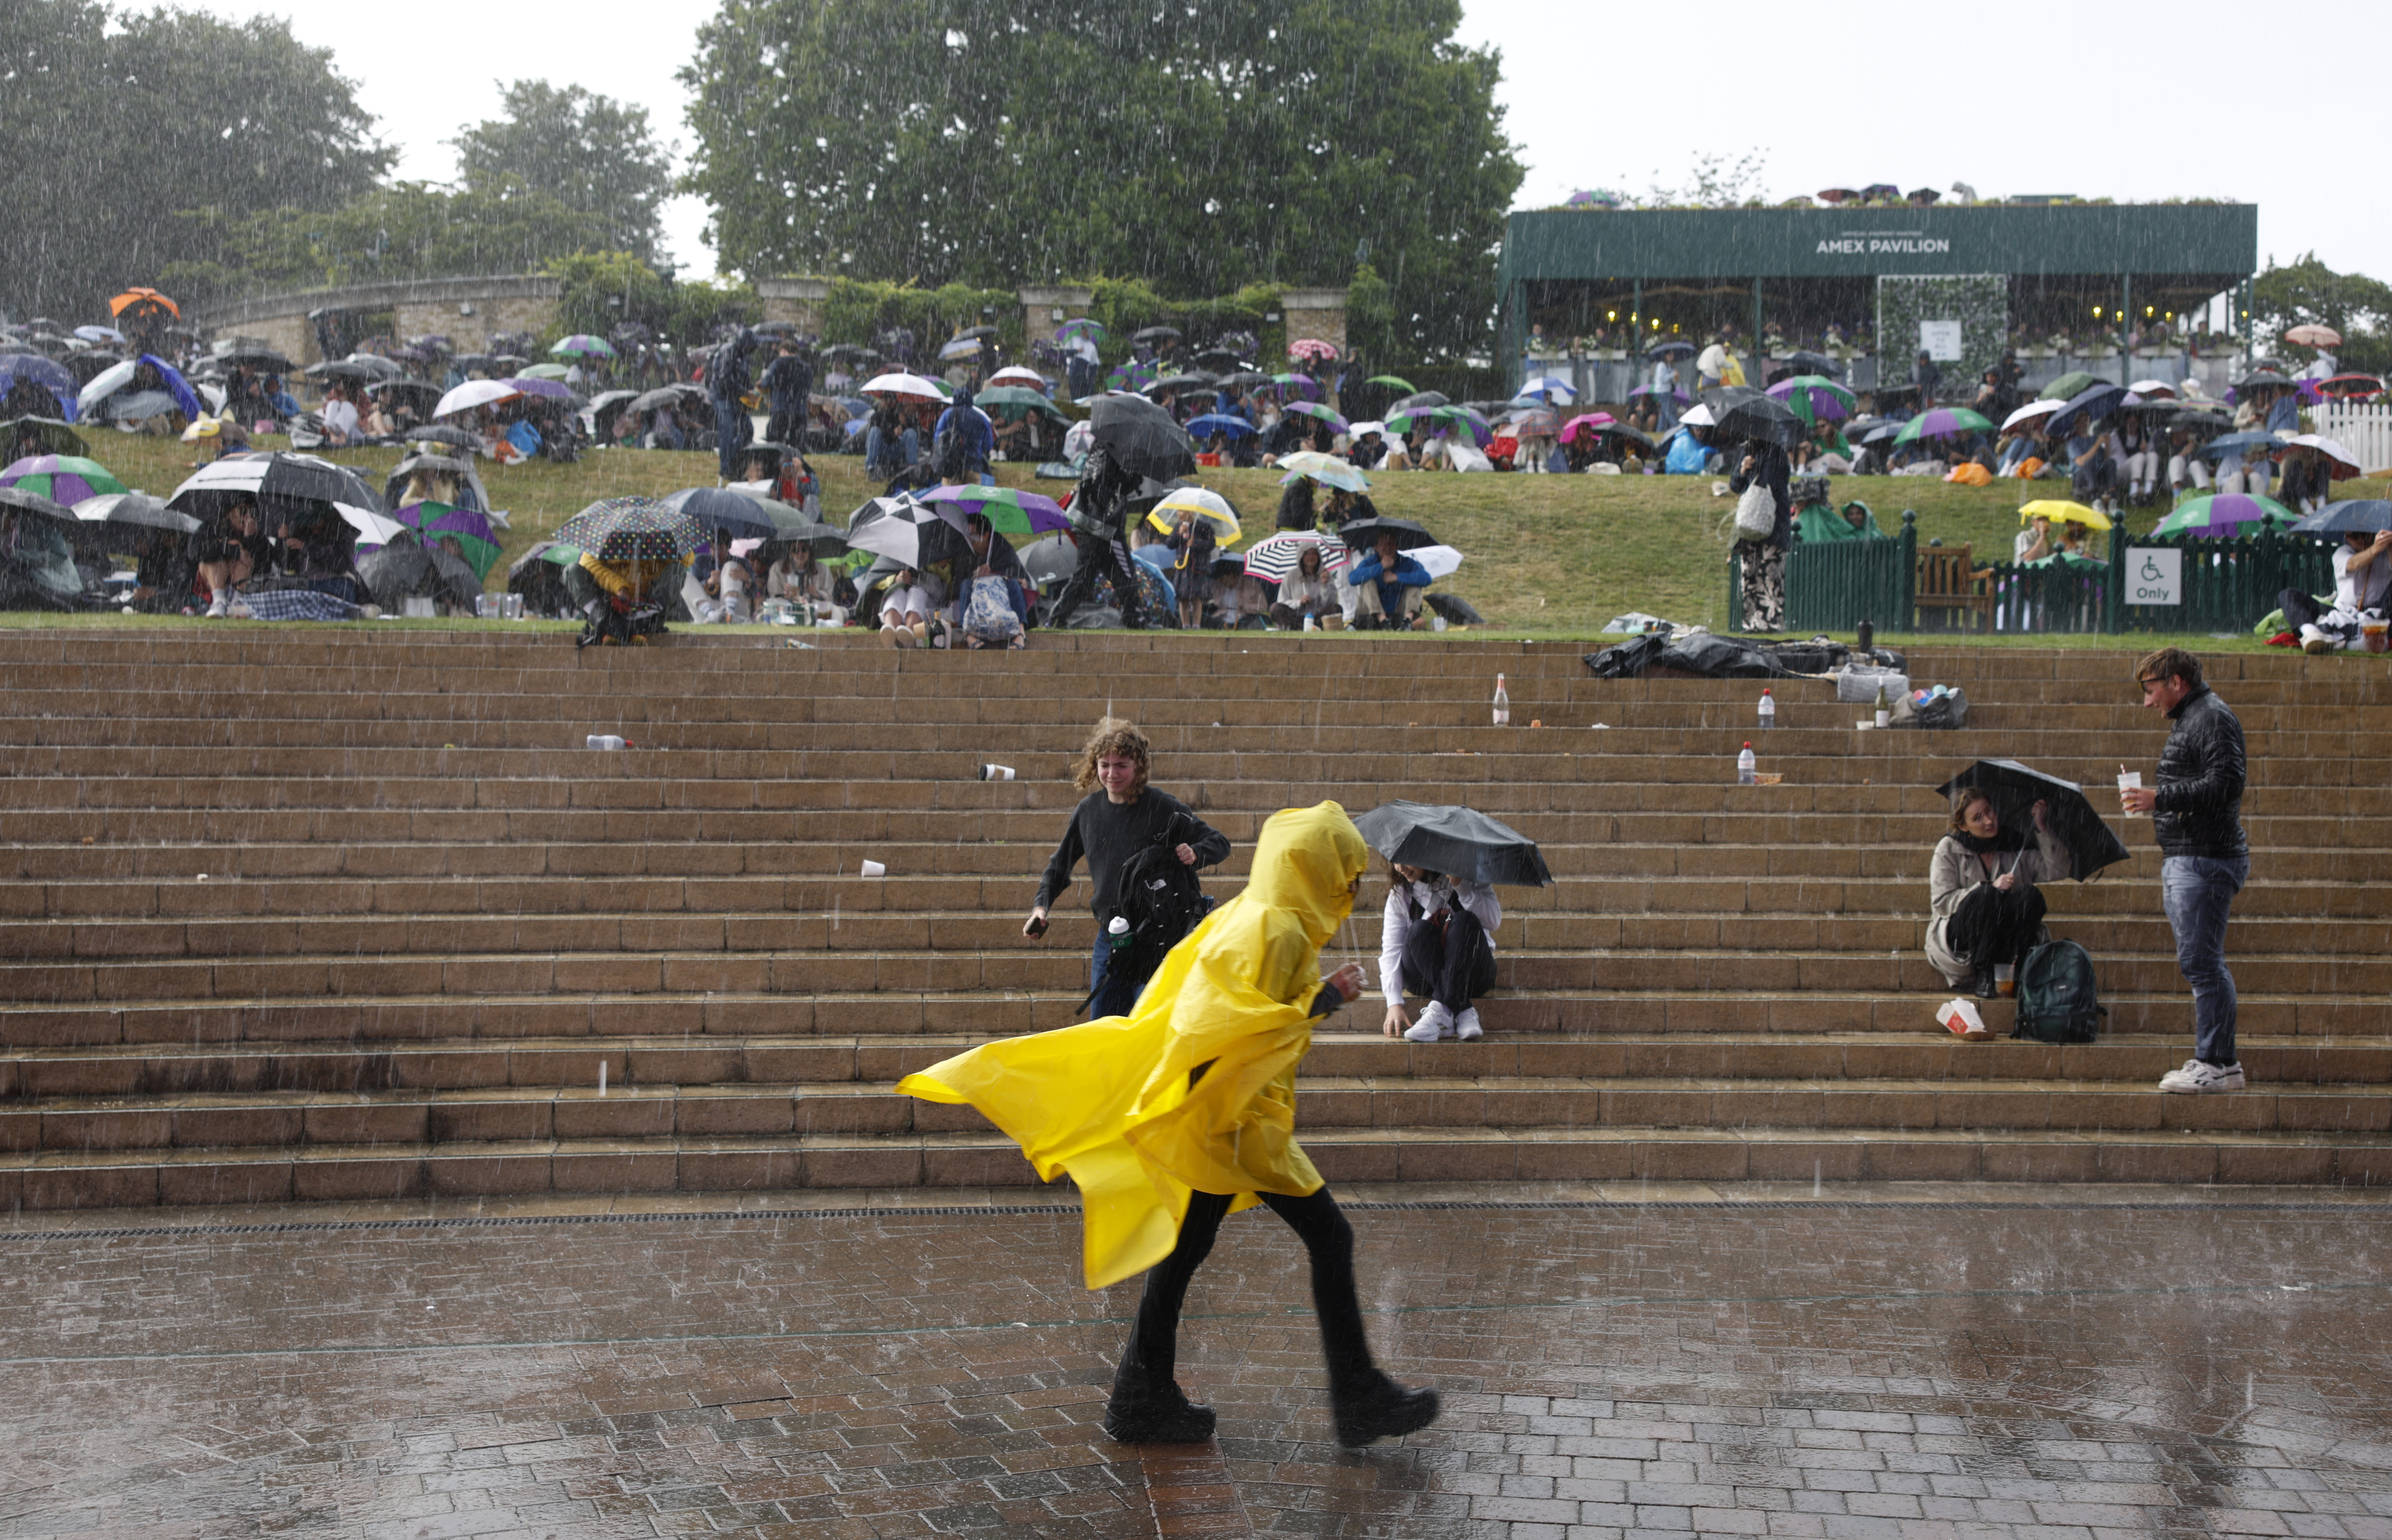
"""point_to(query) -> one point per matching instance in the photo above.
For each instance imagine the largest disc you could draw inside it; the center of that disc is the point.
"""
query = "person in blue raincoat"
(962, 442)
(727, 382)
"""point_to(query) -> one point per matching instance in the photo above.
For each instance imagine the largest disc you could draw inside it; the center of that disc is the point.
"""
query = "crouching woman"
(1432, 941)
(1984, 909)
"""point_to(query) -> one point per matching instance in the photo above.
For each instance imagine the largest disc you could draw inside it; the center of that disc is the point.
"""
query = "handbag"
(1756, 513)
(989, 614)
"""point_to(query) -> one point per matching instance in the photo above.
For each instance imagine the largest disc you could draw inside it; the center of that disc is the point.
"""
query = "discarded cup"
(996, 772)
(419, 607)
(2005, 978)
(874, 868)
(606, 740)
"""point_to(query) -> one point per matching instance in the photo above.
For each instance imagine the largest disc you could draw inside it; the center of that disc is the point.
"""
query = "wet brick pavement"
(2064, 1370)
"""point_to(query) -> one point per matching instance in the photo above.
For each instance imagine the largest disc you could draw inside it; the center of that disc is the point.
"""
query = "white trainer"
(1466, 1027)
(1435, 1022)
(216, 608)
(2196, 1077)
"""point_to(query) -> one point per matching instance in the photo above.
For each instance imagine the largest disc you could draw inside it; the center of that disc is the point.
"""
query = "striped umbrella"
(1009, 511)
(1935, 423)
(631, 529)
(1315, 410)
(1815, 397)
(468, 526)
(1274, 557)
(583, 345)
(1292, 380)
(2226, 514)
(68, 478)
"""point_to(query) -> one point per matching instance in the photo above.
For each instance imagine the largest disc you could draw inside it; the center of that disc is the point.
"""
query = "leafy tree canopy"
(2357, 306)
(1199, 148)
(590, 153)
(116, 120)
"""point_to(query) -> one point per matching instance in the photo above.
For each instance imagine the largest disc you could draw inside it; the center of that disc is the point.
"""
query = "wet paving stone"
(2070, 1369)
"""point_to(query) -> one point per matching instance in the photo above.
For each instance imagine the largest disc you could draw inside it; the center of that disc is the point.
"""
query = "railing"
(2228, 584)
(1836, 585)
(2365, 429)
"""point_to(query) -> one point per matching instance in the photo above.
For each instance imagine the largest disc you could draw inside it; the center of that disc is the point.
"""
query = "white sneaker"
(216, 608)
(2198, 1076)
(1435, 1022)
(1466, 1027)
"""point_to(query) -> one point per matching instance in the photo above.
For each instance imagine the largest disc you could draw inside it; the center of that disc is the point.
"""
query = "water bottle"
(1867, 640)
(606, 740)
(1768, 708)
(1503, 703)
(1117, 934)
(1747, 769)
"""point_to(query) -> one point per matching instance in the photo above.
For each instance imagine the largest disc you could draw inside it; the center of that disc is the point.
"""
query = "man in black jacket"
(1120, 816)
(2196, 813)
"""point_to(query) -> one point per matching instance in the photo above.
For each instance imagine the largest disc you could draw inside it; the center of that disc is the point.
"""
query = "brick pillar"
(798, 301)
(1316, 313)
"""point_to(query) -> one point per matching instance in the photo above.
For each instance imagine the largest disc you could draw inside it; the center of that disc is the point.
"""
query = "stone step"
(61, 1178)
(1832, 1060)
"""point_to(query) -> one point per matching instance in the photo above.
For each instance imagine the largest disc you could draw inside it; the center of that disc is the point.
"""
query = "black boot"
(1145, 1413)
(1380, 1410)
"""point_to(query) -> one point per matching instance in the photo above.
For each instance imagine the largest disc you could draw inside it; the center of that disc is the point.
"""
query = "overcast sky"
(2201, 98)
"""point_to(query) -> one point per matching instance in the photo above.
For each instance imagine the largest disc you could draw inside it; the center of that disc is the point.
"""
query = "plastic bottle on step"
(606, 740)
(1768, 708)
(1503, 703)
(1747, 769)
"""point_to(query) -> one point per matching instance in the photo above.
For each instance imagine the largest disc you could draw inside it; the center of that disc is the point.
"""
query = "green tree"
(590, 153)
(1200, 149)
(2310, 292)
(114, 122)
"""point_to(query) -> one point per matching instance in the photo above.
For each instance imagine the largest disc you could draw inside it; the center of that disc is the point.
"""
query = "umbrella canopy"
(423, 394)
(2371, 514)
(1214, 422)
(2015, 788)
(1363, 533)
(546, 389)
(467, 526)
(1754, 415)
(1672, 347)
(1939, 421)
(1312, 350)
(735, 514)
(959, 348)
(657, 400)
(145, 299)
(2028, 414)
(1317, 412)
(1007, 402)
(263, 478)
(2148, 389)
(61, 477)
(2063, 512)
(1327, 469)
(34, 502)
(39, 436)
(1274, 557)
(1220, 359)
(1014, 374)
(255, 356)
(1081, 326)
(441, 433)
(583, 345)
(108, 381)
(2310, 335)
(2076, 382)
(1546, 384)
(1807, 362)
(137, 509)
(99, 334)
(1186, 380)
(475, 393)
(1152, 334)
(1815, 397)
(1454, 841)
(1141, 438)
(1207, 504)
(2225, 514)
(1589, 422)
(905, 530)
(631, 529)
(1452, 419)
(51, 376)
(1535, 423)
(1421, 400)
(900, 383)
(2226, 443)
(1009, 510)
(2089, 405)
(2261, 379)
(1389, 381)
(2344, 464)
(1292, 381)
(2351, 385)
(542, 372)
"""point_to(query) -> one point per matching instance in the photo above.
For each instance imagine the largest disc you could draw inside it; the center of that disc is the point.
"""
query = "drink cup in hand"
(2131, 780)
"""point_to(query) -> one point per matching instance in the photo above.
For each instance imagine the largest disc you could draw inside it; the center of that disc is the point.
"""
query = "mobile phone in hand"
(1037, 926)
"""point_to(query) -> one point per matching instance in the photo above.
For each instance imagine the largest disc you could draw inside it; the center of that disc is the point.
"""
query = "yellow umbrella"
(2061, 512)
(1208, 506)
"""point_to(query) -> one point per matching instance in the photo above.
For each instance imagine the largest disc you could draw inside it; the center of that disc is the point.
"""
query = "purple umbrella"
(1826, 401)
(61, 478)
(556, 391)
(469, 526)
(52, 377)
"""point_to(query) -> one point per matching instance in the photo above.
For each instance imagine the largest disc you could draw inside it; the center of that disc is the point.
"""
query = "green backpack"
(2057, 999)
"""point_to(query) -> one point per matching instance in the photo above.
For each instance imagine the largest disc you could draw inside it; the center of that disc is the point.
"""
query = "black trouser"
(1992, 926)
(1152, 1356)
(2300, 608)
(784, 424)
(1111, 558)
(1451, 964)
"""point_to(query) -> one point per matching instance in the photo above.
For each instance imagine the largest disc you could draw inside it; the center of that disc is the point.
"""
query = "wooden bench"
(1947, 581)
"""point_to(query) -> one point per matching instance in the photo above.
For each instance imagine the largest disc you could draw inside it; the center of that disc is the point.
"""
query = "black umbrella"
(2259, 378)
(2089, 405)
(1141, 438)
(656, 400)
(1454, 841)
(1807, 362)
(1363, 533)
(267, 358)
(406, 568)
(739, 515)
(134, 508)
(1156, 334)
(2015, 788)
(608, 402)
(1757, 416)
(45, 435)
(424, 394)
(270, 478)
(1219, 359)
(1674, 348)
(1191, 380)
(441, 433)
(1421, 400)
(1244, 379)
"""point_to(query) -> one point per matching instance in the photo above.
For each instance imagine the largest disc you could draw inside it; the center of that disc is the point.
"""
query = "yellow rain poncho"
(1109, 1102)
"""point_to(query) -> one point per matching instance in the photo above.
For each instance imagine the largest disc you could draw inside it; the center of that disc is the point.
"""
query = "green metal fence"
(2226, 585)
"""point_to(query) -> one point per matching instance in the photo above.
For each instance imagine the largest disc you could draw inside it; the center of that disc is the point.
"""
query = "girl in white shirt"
(1435, 940)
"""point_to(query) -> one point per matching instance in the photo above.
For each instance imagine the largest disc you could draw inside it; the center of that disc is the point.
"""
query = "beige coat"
(1956, 871)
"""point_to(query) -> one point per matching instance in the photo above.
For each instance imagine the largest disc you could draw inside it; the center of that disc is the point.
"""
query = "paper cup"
(2005, 979)
(874, 868)
(2131, 780)
(996, 772)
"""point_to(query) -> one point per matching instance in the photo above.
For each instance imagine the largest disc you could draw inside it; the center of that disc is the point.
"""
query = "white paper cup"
(2131, 780)
(874, 868)
(996, 772)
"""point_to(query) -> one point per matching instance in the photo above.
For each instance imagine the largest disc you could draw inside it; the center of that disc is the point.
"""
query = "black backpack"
(1163, 900)
(2057, 999)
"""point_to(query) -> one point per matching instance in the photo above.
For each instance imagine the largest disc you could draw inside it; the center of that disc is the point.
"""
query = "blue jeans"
(731, 431)
(887, 456)
(2197, 891)
(1106, 997)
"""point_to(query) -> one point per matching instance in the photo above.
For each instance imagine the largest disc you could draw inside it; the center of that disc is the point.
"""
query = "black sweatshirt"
(1110, 835)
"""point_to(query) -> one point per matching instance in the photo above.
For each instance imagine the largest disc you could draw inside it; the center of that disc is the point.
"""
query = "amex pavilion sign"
(1872, 244)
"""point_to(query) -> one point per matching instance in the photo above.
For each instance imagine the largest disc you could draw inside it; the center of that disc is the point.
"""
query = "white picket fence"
(2365, 429)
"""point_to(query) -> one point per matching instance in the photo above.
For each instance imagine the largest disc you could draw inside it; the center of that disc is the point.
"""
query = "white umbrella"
(370, 526)
(1442, 561)
(1698, 416)
(2148, 388)
(901, 383)
(107, 383)
(1357, 429)
(473, 393)
(893, 526)
(1015, 374)
(2327, 447)
(2030, 411)
(1546, 385)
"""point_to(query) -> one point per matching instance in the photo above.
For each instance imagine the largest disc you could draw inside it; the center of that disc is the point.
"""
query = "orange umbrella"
(131, 297)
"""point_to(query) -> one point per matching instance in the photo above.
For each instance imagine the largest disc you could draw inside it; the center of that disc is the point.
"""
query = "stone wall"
(798, 301)
(465, 309)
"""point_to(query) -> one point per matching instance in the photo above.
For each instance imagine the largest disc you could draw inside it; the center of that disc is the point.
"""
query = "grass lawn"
(1549, 556)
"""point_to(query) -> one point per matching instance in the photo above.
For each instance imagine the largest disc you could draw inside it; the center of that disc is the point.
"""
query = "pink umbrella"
(1589, 420)
(1312, 349)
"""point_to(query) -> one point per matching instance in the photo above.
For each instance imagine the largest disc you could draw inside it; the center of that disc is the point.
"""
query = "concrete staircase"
(299, 914)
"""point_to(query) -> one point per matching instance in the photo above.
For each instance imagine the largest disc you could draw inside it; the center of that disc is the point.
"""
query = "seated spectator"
(2093, 473)
(1370, 446)
(1306, 593)
(314, 549)
(731, 592)
(2033, 543)
(1435, 940)
(339, 416)
(163, 573)
(2362, 592)
(1980, 891)
(623, 603)
(1389, 589)
(1242, 602)
(1347, 507)
(907, 607)
(37, 566)
(2187, 470)
(1295, 505)
(228, 553)
(991, 557)
(962, 442)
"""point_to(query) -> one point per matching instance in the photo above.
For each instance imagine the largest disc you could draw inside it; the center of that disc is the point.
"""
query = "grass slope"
(1549, 555)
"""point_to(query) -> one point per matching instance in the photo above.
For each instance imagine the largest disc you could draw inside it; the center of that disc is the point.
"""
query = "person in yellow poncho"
(1183, 1112)
(624, 602)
